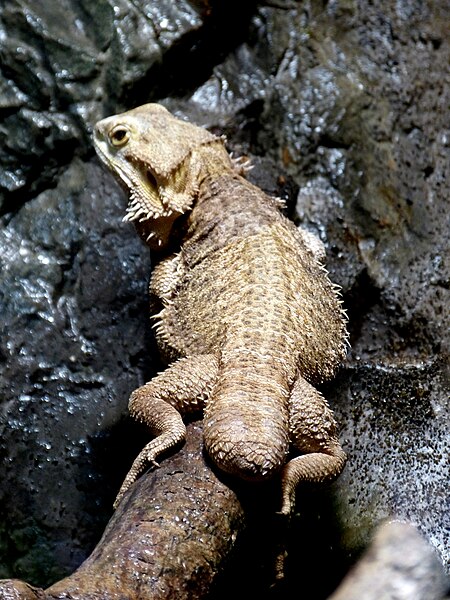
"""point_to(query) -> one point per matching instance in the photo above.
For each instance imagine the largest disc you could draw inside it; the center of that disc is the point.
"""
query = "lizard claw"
(138, 466)
(288, 501)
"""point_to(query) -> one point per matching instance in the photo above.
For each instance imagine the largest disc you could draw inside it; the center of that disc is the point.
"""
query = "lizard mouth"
(147, 199)
(153, 220)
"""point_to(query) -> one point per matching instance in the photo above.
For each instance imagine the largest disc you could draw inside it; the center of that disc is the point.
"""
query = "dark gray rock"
(73, 283)
(395, 429)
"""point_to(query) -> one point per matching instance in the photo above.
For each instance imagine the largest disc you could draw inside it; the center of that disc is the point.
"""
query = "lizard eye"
(119, 136)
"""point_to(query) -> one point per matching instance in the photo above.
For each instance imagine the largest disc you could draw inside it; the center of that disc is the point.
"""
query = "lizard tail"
(246, 421)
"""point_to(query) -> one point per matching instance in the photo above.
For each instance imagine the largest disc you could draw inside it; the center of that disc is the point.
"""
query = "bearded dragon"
(248, 319)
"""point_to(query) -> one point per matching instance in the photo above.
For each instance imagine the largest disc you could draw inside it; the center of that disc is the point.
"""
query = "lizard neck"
(228, 209)
(227, 206)
(212, 160)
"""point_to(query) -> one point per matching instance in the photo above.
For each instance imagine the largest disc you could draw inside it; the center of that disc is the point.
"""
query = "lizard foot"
(146, 458)
(316, 467)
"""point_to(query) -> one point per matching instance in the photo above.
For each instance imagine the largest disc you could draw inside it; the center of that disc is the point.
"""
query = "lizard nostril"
(98, 132)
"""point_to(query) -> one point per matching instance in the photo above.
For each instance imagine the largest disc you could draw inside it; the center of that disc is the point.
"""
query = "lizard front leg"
(163, 282)
(165, 277)
(313, 432)
(183, 387)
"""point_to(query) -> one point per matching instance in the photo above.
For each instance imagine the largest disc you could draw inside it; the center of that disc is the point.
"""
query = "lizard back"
(247, 274)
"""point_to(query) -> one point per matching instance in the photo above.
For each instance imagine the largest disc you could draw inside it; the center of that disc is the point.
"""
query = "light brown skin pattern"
(248, 320)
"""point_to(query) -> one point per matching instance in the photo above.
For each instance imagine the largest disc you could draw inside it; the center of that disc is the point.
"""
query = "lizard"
(248, 319)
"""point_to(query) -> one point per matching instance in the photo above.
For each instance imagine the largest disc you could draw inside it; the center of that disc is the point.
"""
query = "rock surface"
(398, 564)
(343, 103)
(71, 285)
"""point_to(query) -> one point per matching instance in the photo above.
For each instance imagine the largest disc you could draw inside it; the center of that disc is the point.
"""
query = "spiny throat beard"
(154, 205)
(156, 231)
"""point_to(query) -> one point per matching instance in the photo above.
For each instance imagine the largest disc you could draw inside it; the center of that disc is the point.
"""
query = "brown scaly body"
(248, 317)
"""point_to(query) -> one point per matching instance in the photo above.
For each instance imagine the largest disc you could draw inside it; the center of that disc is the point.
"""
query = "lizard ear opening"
(151, 179)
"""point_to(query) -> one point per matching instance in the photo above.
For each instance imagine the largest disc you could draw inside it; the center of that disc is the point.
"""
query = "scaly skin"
(248, 318)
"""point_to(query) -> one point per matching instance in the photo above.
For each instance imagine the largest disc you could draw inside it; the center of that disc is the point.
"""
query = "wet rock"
(168, 538)
(65, 66)
(73, 282)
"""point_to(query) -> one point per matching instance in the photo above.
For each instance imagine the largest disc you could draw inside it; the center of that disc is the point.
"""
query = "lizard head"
(151, 153)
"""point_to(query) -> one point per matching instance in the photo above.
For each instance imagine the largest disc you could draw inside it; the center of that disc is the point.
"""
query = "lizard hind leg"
(183, 387)
(313, 432)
